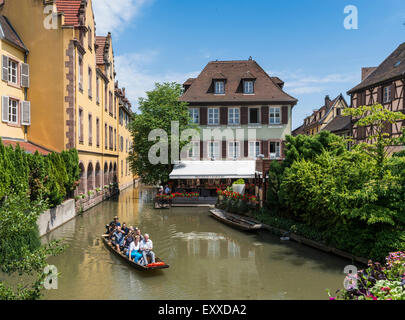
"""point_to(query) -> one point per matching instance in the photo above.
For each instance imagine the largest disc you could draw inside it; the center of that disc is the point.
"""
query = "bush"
(240, 181)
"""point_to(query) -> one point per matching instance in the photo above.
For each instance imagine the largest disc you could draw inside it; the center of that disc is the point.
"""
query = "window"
(97, 89)
(213, 116)
(12, 111)
(194, 115)
(338, 111)
(90, 83)
(254, 149)
(387, 94)
(234, 150)
(233, 116)
(115, 139)
(105, 96)
(275, 115)
(80, 73)
(80, 133)
(213, 149)
(248, 87)
(193, 152)
(121, 117)
(253, 115)
(126, 145)
(274, 150)
(110, 108)
(219, 87)
(122, 168)
(110, 133)
(90, 130)
(90, 38)
(12, 71)
(121, 144)
(98, 132)
(105, 137)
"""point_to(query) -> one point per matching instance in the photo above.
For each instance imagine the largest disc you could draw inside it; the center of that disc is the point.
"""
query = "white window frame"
(274, 115)
(277, 154)
(13, 105)
(248, 87)
(387, 94)
(194, 151)
(233, 116)
(219, 87)
(12, 66)
(258, 116)
(213, 145)
(233, 149)
(256, 146)
(194, 115)
(213, 117)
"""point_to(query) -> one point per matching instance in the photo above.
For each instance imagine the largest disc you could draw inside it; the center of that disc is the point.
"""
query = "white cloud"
(134, 76)
(112, 15)
(300, 83)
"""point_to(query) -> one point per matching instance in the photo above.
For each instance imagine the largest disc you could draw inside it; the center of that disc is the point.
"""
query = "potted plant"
(239, 186)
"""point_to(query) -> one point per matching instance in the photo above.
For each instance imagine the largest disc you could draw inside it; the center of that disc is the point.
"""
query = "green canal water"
(208, 260)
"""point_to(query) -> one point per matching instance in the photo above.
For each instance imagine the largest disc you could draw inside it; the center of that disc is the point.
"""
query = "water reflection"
(208, 260)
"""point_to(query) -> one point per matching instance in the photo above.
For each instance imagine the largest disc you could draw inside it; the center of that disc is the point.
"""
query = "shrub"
(240, 181)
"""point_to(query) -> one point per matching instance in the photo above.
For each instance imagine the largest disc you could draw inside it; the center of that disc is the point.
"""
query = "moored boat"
(159, 263)
(242, 223)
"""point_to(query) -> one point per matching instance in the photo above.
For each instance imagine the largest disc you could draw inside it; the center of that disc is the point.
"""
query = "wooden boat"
(138, 266)
(236, 221)
(166, 204)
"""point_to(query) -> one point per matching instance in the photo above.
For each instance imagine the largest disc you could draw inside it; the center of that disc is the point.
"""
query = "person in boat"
(118, 238)
(125, 228)
(138, 233)
(146, 247)
(133, 251)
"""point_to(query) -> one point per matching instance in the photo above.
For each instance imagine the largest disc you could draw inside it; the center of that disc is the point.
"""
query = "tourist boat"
(236, 221)
(159, 264)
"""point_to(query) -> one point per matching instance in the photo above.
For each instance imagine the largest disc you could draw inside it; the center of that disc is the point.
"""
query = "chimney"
(327, 102)
(123, 91)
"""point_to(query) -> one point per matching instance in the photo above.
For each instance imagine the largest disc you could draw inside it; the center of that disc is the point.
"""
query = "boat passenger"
(146, 247)
(125, 228)
(115, 221)
(138, 233)
(133, 252)
(118, 238)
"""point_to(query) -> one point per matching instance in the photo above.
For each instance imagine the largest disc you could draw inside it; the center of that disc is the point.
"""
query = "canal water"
(208, 260)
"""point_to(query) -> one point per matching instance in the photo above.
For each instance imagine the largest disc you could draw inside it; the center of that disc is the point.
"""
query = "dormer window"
(248, 87)
(219, 87)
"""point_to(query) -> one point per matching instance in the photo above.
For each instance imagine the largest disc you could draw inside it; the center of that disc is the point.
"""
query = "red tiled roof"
(26, 146)
(71, 9)
(100, 41)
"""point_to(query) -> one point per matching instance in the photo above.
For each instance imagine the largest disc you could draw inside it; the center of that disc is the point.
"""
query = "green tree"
(158, 110)
(378, 118)
(21, 252)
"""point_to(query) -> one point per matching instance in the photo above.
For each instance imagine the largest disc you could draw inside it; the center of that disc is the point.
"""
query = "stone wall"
(54, 218)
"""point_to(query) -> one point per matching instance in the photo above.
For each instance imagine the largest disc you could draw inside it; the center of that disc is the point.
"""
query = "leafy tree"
(158, 110)
(378, 118)
(21, 253)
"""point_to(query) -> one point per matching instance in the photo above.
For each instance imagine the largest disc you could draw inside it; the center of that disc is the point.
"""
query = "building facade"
(71, 86)
(383, 85)
(245, 108)
(325, 118)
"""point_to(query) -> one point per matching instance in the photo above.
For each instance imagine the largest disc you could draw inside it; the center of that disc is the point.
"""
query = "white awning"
(214, 170)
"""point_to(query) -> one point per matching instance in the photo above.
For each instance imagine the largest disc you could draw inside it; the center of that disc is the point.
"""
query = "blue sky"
(303, 42)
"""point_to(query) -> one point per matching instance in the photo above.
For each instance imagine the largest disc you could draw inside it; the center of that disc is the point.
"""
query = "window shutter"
(4, 69)
(265, 148)
(246, 148)
(284, 115)
(244, 115)
(223, 149)
(26, 113)
(25, 75)
(203, 116)
(223, 115)
(201, 150)
(4, 112)
(265, 115)
(380, 95)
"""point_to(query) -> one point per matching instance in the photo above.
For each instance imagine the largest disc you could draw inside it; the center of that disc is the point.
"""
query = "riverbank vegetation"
(29, 185)
(351, 200)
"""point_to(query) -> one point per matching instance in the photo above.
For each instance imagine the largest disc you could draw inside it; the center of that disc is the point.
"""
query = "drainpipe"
(26, 97)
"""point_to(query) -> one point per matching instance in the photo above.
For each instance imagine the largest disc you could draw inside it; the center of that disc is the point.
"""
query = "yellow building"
(322, 118)
(72, 85)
